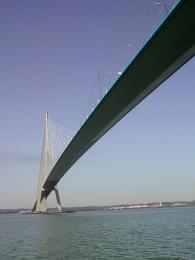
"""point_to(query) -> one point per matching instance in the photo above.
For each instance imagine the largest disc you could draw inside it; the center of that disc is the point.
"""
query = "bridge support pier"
(41, 204)
(59, 206)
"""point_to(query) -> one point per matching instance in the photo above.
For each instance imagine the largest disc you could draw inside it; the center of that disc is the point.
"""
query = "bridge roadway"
(167, 50)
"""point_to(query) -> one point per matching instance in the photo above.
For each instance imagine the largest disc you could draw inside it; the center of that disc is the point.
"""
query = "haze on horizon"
(50, 55)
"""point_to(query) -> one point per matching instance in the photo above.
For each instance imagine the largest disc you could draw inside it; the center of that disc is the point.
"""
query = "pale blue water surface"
(163, 233)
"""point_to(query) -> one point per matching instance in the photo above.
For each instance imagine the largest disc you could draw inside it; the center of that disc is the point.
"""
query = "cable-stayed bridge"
(156, 58)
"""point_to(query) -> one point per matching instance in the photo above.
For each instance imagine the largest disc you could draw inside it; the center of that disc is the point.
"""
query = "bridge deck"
(170, 47)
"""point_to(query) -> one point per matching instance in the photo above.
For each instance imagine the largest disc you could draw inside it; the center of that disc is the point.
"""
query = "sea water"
(159, 233)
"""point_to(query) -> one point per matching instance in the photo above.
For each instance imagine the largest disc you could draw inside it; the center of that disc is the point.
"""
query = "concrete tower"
(41, 202)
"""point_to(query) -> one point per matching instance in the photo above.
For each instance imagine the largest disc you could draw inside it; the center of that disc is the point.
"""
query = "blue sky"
(50, 54)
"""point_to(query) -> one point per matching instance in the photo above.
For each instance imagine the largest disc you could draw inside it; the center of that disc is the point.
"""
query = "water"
(130, 234)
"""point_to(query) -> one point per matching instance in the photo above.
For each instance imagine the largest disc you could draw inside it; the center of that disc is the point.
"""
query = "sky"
(50, 56)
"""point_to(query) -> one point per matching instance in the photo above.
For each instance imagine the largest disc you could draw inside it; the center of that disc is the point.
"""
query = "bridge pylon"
(41, 202)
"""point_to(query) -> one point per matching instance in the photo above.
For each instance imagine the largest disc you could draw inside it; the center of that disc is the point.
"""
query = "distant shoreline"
(111, 207)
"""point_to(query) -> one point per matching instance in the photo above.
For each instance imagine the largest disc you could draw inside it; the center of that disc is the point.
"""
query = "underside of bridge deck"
(167, 50)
